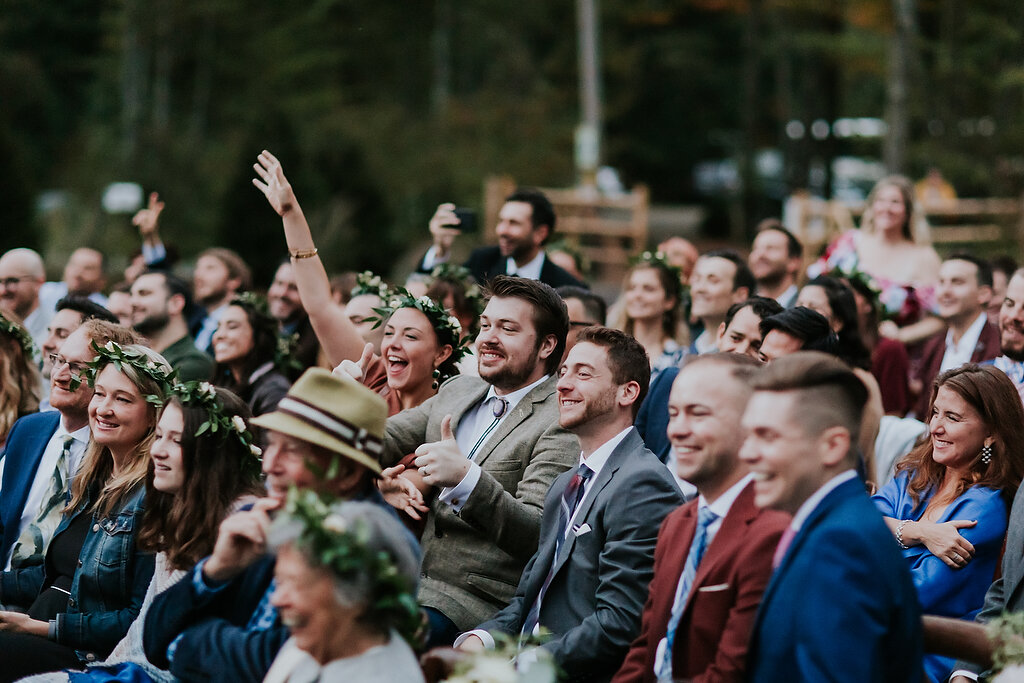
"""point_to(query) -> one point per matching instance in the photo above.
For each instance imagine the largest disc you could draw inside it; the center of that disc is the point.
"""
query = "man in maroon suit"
(714, 555)
(961, 297)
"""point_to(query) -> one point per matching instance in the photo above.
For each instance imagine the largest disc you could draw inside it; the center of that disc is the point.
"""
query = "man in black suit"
(526, 223)
(588, 579)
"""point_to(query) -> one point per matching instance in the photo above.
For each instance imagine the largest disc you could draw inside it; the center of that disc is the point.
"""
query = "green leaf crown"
(204, 395)
(20, 335)
(446, 326)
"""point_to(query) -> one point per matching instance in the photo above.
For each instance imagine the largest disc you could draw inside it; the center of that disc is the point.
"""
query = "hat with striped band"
(340, 415)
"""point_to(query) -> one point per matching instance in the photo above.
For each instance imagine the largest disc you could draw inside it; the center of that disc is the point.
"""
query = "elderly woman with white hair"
(345, 585)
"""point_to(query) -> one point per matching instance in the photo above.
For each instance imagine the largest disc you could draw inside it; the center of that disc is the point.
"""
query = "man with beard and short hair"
(285, 305)
(21, 276)
(587, 581)
(159, 304)
(526, 223)
(1011, 332)
(492, 445)
(775, 259)
(219, 275)
(43, 450)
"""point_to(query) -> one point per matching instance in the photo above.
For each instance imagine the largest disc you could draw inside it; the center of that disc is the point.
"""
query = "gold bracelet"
(302, 253)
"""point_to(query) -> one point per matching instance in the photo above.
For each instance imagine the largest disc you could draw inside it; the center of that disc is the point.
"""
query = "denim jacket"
(108, 588)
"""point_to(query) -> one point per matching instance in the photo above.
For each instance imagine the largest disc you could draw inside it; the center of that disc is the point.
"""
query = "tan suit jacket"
(472, 561)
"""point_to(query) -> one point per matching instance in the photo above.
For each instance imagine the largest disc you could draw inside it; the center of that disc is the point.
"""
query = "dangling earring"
(986, 454)
(436, 375)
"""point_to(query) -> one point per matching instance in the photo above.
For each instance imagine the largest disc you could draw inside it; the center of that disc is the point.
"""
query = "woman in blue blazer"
(89, 589)
(948, 505)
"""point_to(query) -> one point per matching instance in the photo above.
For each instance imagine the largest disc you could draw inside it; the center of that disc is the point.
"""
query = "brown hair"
(627, 358)
(671, 320)
(20, 384)
(993, 395)
(237, 268)
(184, 524)
(550, 316)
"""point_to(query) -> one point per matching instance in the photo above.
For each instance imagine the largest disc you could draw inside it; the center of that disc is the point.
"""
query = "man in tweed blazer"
(492, 446)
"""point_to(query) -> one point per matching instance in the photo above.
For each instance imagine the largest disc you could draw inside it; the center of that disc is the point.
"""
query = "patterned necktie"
(705, 517)
(780, 550)
(571, 498)
(30, 549)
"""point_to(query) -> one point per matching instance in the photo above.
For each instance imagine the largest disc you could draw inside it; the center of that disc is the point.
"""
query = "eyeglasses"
(59, 361)
(14, 281)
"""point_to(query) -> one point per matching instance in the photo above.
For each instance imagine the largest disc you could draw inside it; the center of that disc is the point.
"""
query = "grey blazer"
(594, 602)
(472, 560)
(1005, 593)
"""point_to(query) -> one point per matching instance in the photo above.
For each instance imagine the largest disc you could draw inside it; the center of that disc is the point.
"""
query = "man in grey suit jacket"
(588, 580)
(492, 446)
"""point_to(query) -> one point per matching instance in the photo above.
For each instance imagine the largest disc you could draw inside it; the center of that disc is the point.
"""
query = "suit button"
(423, 575)
(95, 527)
(90, 657)
(71, 602)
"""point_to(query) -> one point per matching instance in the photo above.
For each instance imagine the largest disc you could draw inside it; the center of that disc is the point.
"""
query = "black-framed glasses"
(59, 361)
(14, 281)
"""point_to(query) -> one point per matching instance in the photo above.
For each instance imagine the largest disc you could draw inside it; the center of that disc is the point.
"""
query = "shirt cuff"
(153, 253)
(203, 585)
(456, 496)
(479, 633)
(431, 259)
(51, 631)
(965, 673)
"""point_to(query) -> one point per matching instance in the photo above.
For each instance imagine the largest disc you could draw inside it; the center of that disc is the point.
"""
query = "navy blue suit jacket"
(841, 606)
(652, 418)
(487, 262)
(25, 445)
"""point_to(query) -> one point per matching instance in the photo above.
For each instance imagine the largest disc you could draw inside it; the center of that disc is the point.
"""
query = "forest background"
(381, 110)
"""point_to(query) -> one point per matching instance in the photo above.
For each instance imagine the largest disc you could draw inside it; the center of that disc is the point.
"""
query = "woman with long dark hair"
(652, 297)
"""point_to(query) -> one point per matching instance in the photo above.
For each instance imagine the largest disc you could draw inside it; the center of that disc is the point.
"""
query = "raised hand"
(441, 228)
(146, 220)
(272, 183)
(241, 540)
(442, 463)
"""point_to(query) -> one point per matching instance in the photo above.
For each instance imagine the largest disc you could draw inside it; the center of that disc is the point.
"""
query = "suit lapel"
(467, 401)
(734, 525)
(519, 414)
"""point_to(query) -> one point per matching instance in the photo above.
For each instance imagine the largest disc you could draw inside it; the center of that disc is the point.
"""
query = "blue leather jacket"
(108, 588)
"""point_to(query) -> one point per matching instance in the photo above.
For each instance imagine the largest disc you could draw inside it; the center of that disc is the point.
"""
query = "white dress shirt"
(959, 353)
(471, 427)
(530, 270)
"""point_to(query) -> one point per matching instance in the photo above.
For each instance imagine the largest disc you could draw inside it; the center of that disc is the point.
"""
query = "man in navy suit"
(526, 223)
(841, 605)
(34, 459)
(588, 579)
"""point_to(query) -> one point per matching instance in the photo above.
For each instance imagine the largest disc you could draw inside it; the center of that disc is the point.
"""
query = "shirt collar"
(971, 335)
(596, 460)
(530, 270)
(724, 502)
(513, 398)
(80, 435)
(808, 507)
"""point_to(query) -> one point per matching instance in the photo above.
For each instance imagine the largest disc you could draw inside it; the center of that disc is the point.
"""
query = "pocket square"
(712, 589)
(580, 530)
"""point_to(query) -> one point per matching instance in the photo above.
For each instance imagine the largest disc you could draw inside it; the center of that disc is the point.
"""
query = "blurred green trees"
(380, 110)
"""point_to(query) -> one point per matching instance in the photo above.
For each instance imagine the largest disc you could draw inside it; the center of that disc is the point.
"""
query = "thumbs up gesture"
(441, 463)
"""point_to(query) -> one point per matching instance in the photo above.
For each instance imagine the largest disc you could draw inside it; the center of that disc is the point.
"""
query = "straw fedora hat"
(340, 415)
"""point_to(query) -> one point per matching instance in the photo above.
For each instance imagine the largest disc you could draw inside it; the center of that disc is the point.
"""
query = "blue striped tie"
(700, 543)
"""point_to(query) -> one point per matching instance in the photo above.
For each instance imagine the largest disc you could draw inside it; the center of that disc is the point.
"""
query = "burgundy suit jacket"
(711, 640)
(931, 360)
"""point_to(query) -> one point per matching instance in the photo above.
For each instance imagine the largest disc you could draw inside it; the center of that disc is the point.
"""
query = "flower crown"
(204, 395)
(252, 299)
(341, 547)
(657, 258)
(20, 335)
(446, 325)
(368, 283)
(114, 354)
(462, 275)
(867, 283)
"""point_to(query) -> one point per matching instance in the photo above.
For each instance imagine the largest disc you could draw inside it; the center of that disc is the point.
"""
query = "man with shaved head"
(21, 276)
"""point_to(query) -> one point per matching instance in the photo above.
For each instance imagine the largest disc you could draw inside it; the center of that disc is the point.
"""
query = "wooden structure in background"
(606, 230)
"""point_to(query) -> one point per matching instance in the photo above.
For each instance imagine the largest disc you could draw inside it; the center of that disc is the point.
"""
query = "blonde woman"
(80, 602)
